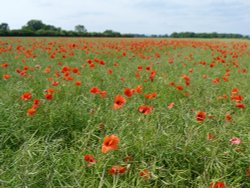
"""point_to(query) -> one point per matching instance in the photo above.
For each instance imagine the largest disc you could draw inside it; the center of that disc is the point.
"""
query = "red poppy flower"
(185, 77)
(200, 116)
(4, 65)
(47, 70)
(138, 89)
(152, 75)
(171, 105)
(103, 93)
(237, 98)
(234, 91)
(6, 76)
(48, 96)
(145, 109)
(248, 171)
(76, 71)
(240, 105)
(150, 95)
(128, 92)
(235, 141)
(55, 83)
(50, 90)
(139, 68)
(110, 143)
(117, 169)
(145, 174)
(210, 136)
(110, 71)
(119, 101)
(78, 83)
(26, 96)
(31, 111)
(95, 90)
(35, 103)
(216, 81)
(171, 83)
(147, 68)
(89, 158)
(217, 185)
(128, 158)
(179, 87)
(228, 117)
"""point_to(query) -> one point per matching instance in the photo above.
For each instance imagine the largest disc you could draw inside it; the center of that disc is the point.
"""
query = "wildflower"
(55, 83)
(89, 158)
(216, 81)
(94, 90)
(139, 68)
(145, 109)
(119, 101)
(103, 93)
(128, 92)
(217, 185)
(237, 98)
(26, 96)
(171, 83)
(31, 111)
(48, 96)
(171, 105)
(35, 103)
(128, 158)
(152, 75)
(234, 91)
(200, 116)
(110, 71)
(6, 76)
(210, 136)
(145, 174)
(138, 89)
(4, 65)
(117, 169)
(235, 141)
(179, 87)
(240, 105)
(78, 83)
(248, 171)
(228, 117)
(110, 143)
(150, 95)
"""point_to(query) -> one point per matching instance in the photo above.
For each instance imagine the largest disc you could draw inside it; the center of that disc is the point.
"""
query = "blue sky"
(133, 16)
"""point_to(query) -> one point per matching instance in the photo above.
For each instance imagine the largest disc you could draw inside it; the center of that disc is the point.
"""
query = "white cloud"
(137, 16)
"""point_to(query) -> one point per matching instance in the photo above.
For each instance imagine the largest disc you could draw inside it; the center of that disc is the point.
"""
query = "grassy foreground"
(124, 113)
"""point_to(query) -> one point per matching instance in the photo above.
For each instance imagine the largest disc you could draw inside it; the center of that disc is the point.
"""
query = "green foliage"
(34, 25)
(48, 148)
(38, 28)
(4, 27)
(80, 29)
(206, 35)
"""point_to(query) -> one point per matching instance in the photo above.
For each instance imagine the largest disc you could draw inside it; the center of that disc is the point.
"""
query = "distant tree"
(174, 35)
(111, 33)
(4, 27)
(34, 25)
(80, 29)
(51, 28)
(21, 32)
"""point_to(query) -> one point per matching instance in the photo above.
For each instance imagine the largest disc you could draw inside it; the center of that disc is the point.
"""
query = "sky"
(132, 16)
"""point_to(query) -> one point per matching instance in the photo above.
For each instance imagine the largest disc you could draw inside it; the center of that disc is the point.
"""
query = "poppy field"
(78, 112)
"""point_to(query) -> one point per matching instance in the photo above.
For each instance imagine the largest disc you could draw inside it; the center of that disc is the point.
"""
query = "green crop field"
(95, 113)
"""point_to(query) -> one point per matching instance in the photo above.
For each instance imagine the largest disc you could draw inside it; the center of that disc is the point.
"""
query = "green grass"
(48, 148)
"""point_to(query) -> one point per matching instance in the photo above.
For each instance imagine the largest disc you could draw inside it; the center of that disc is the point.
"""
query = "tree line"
(38, 28)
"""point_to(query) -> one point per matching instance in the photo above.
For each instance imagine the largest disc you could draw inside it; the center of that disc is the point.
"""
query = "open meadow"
(105, 112)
